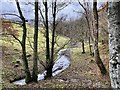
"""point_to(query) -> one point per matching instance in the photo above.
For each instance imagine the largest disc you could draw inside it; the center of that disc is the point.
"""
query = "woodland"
(56, 51)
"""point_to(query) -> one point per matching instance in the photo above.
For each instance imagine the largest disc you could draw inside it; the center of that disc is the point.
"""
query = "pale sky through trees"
(10, 7)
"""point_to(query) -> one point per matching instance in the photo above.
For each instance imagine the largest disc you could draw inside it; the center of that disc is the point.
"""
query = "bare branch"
(30, 3)
(15, 38)
(19, 10)
(42, 15)
(82, 6)
(11, 15)
(62, 8)
(63, 46)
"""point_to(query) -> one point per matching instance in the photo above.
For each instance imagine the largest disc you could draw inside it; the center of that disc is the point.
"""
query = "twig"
(15, 38)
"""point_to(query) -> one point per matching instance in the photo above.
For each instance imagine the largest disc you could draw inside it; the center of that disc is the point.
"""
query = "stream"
(62, 63)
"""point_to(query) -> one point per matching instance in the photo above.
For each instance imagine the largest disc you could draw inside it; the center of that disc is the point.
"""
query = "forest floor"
(82, 73)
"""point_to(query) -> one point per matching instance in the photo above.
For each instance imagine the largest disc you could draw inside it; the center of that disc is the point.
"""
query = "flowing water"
(62, 62)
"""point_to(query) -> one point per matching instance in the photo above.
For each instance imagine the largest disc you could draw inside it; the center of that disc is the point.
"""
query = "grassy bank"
(83, 71)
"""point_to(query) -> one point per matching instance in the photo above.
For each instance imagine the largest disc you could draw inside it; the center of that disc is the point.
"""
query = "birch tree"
(114, 42)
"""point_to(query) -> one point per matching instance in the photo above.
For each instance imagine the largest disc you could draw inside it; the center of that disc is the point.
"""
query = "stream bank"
(62, 63)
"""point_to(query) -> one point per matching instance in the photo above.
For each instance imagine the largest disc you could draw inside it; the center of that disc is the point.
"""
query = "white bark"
(114, 43)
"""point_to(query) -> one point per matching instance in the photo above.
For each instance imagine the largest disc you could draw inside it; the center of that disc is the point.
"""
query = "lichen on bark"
(114, 43)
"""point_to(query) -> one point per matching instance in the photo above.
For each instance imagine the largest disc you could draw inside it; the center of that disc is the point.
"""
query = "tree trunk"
(90, 48)
(96, 32)
(83, 48)
(53, 33)
(89, 31)
(114, 43)
(48, 61)
(35, 55)
(82, 41)
(25, 62)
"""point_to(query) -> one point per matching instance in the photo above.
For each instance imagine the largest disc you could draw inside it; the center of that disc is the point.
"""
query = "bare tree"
(23, 43)
(53, 32)
(96, 34)
(48, 65)
(103, 23)
(114, 43)
(35, 51)
(82, 41)
(86, 10)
